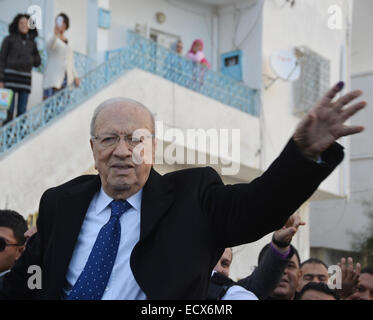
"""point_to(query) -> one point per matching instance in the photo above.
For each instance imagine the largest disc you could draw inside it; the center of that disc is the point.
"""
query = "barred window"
(313, 82)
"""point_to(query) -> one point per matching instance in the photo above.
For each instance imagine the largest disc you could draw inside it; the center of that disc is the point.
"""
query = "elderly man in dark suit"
(130, 233)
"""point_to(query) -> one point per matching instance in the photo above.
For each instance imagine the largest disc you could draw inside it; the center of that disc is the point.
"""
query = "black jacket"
(267, 275)
(188, 218)
(18, 53)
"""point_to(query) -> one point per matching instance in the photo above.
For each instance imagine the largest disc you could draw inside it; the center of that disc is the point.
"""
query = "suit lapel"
(73, 208)
(156, 199)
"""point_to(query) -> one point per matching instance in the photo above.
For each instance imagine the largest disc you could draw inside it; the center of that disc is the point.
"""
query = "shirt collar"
(4, 273)
(103, 200)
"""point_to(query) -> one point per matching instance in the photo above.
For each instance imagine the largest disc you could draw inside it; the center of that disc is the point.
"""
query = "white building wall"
(240, 28)
(362, 48)
(333, 221)
(189, 20)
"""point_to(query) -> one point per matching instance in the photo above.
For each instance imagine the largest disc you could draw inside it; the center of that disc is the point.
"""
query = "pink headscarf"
(194, 43)
(199, 56)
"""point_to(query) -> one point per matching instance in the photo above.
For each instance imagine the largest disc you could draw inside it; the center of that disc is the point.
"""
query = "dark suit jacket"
(267, 275)
(188, 217)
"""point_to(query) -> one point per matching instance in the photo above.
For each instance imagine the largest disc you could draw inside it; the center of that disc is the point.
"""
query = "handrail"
(149, 56)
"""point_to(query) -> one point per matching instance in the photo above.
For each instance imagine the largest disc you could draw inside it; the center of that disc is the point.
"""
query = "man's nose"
(122, 149)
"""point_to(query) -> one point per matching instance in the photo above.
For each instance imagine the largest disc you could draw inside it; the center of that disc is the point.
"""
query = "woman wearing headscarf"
(196, 53)
(19, 53)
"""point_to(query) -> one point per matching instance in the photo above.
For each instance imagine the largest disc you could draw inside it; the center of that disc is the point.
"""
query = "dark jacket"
(18, 55)
(262, 281)
(188, 218)
(267, 275)
(219, 285)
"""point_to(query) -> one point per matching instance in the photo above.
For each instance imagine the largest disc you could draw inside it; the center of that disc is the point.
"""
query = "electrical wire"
(240, 11)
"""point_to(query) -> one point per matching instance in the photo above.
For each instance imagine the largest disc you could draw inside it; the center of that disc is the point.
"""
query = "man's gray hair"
(112, 101)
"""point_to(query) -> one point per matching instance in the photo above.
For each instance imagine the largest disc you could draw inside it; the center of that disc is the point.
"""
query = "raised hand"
(350, 277)
(287, 232)
(324, 124)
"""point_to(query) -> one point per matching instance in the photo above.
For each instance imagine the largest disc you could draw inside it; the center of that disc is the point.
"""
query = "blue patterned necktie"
(94, 278)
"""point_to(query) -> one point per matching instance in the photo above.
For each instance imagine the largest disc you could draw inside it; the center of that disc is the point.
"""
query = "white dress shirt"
(122, 284)
(237, 292)
(4, 273)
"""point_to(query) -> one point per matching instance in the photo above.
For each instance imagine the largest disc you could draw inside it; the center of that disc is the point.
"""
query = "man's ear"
(154, 151)
(94, 158)
(300, 273)
(20, 249)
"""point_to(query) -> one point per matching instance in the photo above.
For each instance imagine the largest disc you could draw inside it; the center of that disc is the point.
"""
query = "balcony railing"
(140, 53)
(148, 55)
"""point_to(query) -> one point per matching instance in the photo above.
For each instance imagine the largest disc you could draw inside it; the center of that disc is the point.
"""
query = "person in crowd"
(287, 282)
(313, 270)
(317, 291)
(365, 286)
(265, 277)
(350, 278)
(196, 53)
(19, 53)
(273, 261)
(124, 223)
(59, 70)
(179, 47)
(12, 240)
(224, 288)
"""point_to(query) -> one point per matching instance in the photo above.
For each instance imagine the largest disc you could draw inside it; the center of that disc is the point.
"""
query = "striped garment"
(17, 80)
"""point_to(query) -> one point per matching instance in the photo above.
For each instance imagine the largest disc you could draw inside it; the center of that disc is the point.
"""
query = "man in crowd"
(288, 282)
(264, 278)
(168, 221)
(273, 260)
(12, 240)
(313, 270)
(221, 286)
(317, 291)
(365, 286)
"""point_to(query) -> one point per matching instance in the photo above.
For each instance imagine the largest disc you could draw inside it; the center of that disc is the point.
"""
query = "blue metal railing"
(149, 56)
(140, 53)
(82, 63)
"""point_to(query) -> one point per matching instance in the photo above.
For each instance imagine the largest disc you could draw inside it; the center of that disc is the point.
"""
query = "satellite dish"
(285, 65)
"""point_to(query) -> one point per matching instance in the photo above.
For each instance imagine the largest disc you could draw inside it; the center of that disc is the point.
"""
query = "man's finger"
(358, 269)
(346, 99)
(328, 97)
(343, 264)
(350, 111)
(289, 222)
(348, 130)
(300, 223)
(350, 264)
